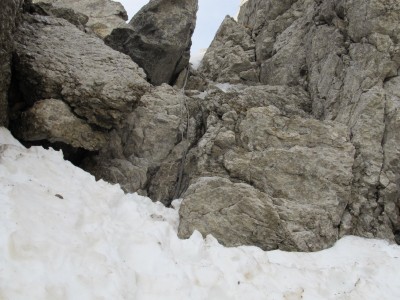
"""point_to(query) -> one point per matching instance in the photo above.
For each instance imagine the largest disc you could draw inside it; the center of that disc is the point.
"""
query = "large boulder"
(158, 38)
(55, 60)
(103, 15)
(9, 12)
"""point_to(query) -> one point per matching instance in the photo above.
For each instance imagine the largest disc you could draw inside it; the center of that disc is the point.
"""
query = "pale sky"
(209, 17)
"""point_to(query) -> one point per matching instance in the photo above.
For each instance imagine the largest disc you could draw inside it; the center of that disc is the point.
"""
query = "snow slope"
(65, 236)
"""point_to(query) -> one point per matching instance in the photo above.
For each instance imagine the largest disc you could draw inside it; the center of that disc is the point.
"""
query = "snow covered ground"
(65, 236)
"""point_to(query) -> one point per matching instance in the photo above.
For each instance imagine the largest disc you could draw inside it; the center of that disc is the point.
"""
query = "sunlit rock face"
(158, 38)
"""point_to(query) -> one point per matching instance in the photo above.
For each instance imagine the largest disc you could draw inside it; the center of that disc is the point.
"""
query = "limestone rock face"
(103, 15)
(158, 38)
(56, 60)
(345, 56)
(231, 55)
(9, 12)
(304, 166)
(52, 120)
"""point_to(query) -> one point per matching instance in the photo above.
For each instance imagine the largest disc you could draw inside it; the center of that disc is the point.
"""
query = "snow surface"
(65, 236)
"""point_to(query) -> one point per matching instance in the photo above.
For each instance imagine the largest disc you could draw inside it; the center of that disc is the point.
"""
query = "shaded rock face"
(10, 10)
(158, 38)
(145, 154)
(102, 15)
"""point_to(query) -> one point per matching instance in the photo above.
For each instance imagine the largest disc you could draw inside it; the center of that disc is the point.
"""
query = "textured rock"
(158, 38)
(52, 120)
(345, 55)
(303, 165)
(300, 154)
(235, 213)
(152, 141)
(231, 55)
(56, 60)
(8, 14)
(104, 15)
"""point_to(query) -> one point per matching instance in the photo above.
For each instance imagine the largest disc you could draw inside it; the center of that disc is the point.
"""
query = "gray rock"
(104, 15)
(302, 164)
(231, 55)
(346, 56)
(56, 60)
(52, 120)
(147, 151)
(235, 213)
(9, 12)
(158, 38)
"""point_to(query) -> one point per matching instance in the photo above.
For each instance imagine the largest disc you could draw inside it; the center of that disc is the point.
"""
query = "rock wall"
(345, 56)
(10, 10)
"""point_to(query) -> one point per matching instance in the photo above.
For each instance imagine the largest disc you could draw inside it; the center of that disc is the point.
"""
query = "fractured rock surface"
(345, 56)
(158, 38)
(303, 165)
(146, 152)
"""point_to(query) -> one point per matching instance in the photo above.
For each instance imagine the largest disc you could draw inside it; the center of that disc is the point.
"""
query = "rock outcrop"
(9, 13)
(102, 15)
(158, 38)
(301, 166)
(345, 56)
